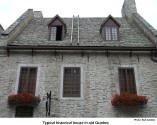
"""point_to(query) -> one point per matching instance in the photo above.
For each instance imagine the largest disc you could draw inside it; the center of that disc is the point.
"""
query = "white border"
(18, 76)
(81, 84)
(136, 76)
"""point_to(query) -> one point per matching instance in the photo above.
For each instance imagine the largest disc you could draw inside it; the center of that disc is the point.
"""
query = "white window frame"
(18, 77)
(136, 77)
(81, 81)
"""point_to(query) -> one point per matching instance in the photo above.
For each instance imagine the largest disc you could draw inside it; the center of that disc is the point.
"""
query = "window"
(71, 82)
(57, 29)
(27, 80)
(56, 33)
(24, 111)
(111, 33)
(109, 29)
(114, 33)
(127, 80)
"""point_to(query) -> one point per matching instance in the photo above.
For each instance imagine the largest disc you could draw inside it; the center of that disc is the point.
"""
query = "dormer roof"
(107, 19)
(57, 17)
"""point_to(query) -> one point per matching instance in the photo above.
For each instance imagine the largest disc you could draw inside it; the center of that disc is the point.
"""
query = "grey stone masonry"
(18, 21)
(99, 83)
(129, 7)
(38, 14)
(1, 29)
(17, 27)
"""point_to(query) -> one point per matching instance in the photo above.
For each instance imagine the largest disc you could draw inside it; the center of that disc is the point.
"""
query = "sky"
(10, 10)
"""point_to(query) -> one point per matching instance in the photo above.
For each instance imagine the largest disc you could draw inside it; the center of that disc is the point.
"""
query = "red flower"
(126, 98)
(23, 98)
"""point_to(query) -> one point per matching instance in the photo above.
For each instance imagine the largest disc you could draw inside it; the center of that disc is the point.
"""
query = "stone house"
(84, 62)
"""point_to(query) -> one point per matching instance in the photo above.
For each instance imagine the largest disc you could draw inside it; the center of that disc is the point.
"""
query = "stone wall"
(100, 83)
(129, 7)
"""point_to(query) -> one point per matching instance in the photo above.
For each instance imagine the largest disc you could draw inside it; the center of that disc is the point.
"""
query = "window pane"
(127, 80)
(108, 33)
(59, 33)
(131, 80)
(27, 80)
(53, 33)
(71, 82)
(23, 80)
(32, 80)
(114, 33)
(122, 80)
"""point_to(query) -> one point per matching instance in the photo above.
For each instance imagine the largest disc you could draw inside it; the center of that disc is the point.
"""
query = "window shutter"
(32, 80)
(59, 33)
(27, 80)
(71, 82)
(131, 81)
(23, 80)
(127, 80)
(53, 33)
(122, 80)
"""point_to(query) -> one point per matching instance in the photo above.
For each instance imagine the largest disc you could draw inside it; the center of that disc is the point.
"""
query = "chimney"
(38, 14)
(129, 7)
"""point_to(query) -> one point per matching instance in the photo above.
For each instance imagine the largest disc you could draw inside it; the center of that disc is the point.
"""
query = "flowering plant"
(23, 98)
(126, 98)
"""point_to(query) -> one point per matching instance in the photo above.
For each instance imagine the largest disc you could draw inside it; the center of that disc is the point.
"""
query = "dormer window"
(111, 33)
(110, 29)
(56, 33)
(57, 29)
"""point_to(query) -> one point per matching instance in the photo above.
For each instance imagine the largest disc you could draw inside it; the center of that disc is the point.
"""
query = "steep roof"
(19, 21)
(146, 24)
(145, 27)
(1, 28)
(36, 33)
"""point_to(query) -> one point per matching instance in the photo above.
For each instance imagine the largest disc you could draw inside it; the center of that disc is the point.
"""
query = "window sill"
(72, 98)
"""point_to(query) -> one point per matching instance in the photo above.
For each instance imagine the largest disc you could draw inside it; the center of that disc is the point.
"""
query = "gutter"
(94, 48)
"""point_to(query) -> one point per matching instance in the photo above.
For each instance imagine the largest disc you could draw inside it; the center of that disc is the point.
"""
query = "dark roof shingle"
(36, 33)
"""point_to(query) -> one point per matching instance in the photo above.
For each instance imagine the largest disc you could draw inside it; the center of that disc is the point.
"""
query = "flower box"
(128, 99)
(22, 99)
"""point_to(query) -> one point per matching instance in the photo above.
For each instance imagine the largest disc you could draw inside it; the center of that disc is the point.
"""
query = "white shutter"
(53, 33)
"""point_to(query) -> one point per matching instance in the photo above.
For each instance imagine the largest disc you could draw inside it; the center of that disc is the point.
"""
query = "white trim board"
(81, 84)
(136, 76)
